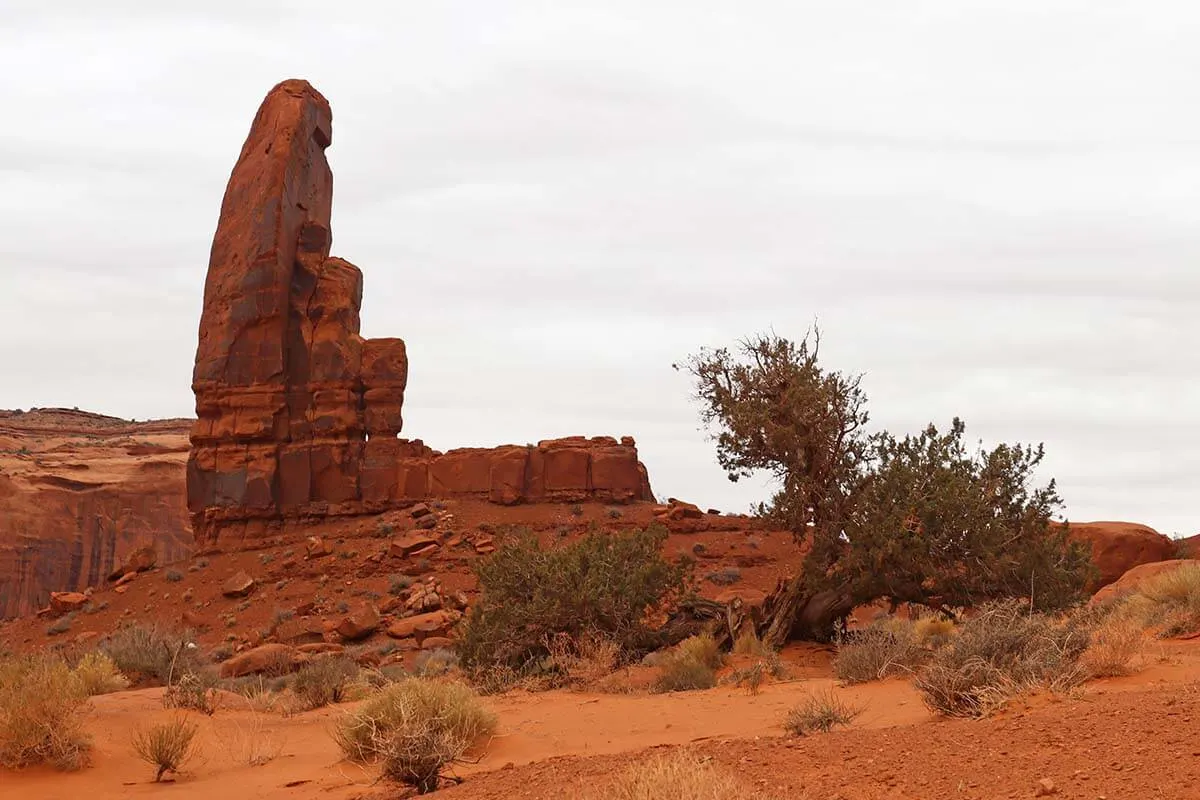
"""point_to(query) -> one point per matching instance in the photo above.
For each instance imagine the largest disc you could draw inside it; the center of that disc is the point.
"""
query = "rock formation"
(81, 493)
(298, 414)
(1118, 547)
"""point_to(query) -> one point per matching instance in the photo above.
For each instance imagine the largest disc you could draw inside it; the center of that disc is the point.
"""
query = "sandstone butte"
(298, 415)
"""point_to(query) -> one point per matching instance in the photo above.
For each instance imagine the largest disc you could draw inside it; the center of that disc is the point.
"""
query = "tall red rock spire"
(298, 415)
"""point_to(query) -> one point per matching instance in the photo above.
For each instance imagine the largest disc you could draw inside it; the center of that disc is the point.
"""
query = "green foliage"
(603, 584)
(937, 523)
(921, 519)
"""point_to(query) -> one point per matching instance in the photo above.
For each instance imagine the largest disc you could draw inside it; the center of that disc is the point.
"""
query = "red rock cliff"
(298, 414)
(78, 493)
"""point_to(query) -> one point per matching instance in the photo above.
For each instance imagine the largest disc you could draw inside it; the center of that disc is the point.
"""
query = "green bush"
(603, 584)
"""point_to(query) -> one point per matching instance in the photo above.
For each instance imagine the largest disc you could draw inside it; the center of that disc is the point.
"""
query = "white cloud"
(992, 208)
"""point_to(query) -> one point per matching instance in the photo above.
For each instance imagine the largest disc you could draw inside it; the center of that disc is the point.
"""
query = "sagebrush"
(167, 747)
(41, 707)
(1004, 650)
(414, 729)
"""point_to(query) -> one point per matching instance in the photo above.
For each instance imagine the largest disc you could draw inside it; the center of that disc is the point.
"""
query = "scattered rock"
(321, 648)
(126, 579)
(435, 623)
(299, 632)
(409, 545)
(316, 547)
(360, 624)
(437, 643)
(272, 657)
(66, 602)
(140, 560)
(1045, 787)
(240, 585)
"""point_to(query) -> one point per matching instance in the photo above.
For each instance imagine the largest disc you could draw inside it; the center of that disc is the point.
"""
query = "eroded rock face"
(80, 493)
(298, 414)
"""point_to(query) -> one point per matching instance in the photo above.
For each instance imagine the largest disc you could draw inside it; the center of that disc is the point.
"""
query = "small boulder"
(125, 580)
(240, 585)
(427, 523)
(299, 632)
(434, 623)
(316, 547)
(66, 602)
(272, 658)
(406, 546)
(437, 643)
(420, 510)
(140, 560)
(321, 648)
(359, 624)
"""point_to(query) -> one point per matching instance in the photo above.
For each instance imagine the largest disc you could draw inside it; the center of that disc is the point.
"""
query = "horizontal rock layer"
(387, 473)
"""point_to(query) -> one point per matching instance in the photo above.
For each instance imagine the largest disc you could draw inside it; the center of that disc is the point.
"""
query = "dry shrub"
(324, 681)
(259, 694)
(879, 651)
(434, 663)
(748, 644)
(98, 674)
(41, 705)
(678, 775)
(166, 747)
(691, 664)
(148, 652)
(196, 691)
(252, 742)
(581, 661)
(1116, 644)
(933, 631)
(1002, 652)
(1169, 602)
(414, 729)
(820, 711)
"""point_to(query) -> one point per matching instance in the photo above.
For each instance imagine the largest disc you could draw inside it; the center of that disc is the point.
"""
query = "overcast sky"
(993, 210)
